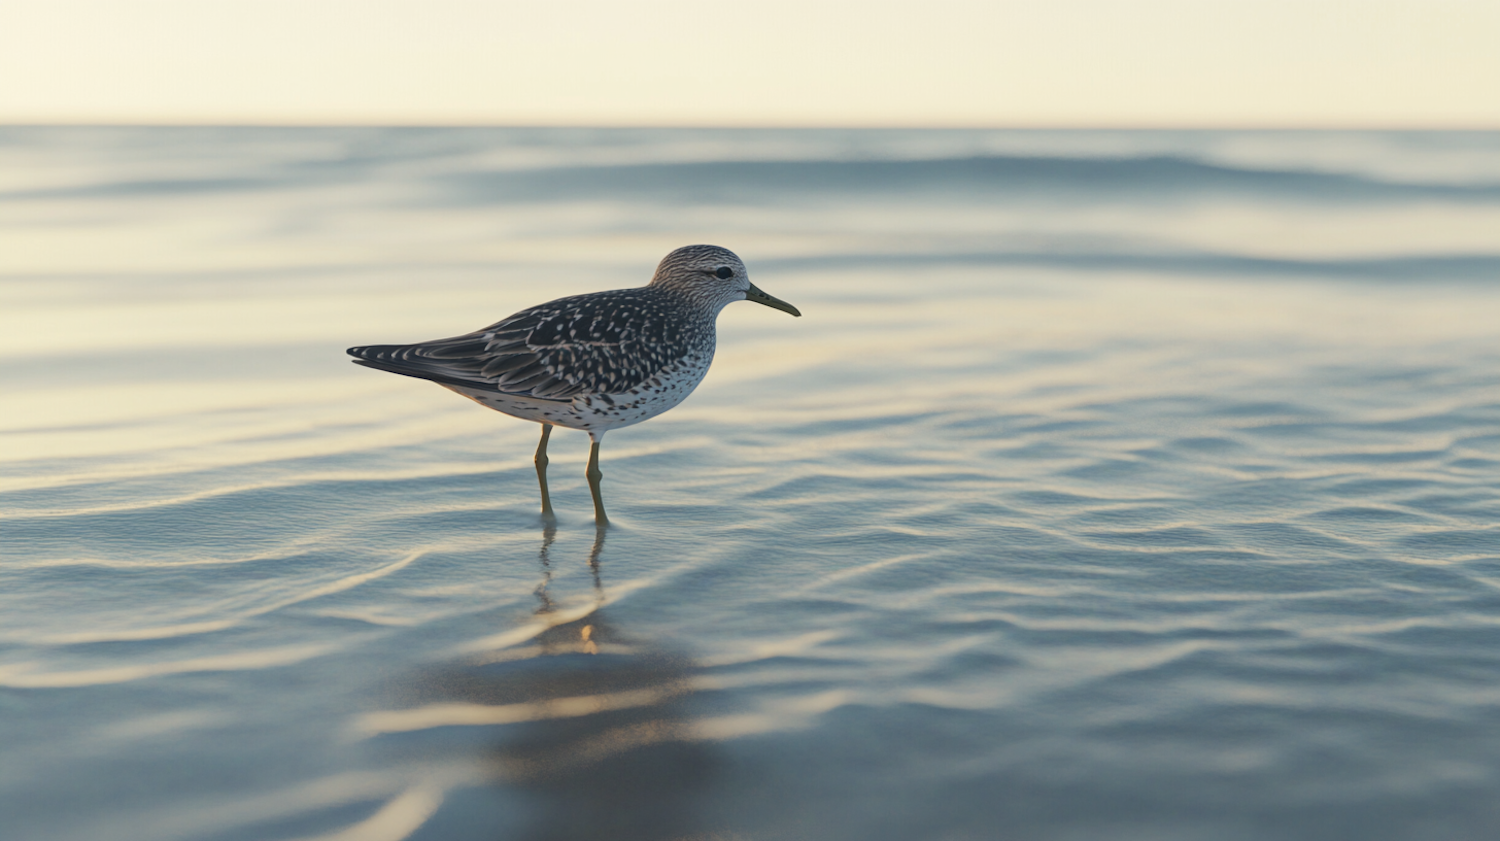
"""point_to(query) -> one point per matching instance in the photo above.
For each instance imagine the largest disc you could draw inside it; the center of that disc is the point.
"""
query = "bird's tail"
(408, 361)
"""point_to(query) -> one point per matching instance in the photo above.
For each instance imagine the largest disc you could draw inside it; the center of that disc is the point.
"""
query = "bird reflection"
(595, 728)
(549, 535)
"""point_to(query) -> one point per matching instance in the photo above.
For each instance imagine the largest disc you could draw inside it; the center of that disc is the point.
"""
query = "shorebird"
(594, 362)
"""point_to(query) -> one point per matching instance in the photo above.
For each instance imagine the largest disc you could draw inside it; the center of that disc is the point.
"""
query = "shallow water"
(1114, 485)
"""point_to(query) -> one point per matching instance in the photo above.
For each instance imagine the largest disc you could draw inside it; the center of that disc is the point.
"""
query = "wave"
(1155, 177)
(1447, 267)
(1456, 267)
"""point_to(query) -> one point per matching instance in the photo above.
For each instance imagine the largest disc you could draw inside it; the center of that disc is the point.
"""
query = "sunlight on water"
(1114, 485)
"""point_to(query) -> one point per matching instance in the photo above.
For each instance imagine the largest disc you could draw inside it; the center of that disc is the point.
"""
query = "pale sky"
(1170, 63)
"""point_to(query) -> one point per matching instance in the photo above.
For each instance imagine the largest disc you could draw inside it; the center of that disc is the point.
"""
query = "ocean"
(1114, 485)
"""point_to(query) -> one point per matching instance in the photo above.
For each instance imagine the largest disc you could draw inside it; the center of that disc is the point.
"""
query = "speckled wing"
(601, 343)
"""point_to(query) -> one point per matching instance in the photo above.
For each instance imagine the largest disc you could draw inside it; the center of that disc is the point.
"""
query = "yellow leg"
(594, 477)
(541, 469)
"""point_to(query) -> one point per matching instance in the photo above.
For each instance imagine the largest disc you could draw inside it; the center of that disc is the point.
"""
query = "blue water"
(1125, 485)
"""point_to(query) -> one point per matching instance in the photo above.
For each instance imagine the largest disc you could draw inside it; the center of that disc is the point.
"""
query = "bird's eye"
(724, 272)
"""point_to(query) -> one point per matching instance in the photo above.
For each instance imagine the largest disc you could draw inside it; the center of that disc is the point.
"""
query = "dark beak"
(759, 297)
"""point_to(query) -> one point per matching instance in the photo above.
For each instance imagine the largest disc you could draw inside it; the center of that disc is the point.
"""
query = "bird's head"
(713, 275)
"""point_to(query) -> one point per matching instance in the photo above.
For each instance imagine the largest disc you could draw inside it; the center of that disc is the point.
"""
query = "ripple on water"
(1047, 521)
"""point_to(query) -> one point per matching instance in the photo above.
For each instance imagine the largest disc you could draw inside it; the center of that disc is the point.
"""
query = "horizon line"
(787, 126)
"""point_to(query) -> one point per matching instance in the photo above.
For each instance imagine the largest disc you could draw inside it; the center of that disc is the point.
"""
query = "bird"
(595, 362)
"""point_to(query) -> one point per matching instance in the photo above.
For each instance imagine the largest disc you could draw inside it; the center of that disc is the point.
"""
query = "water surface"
(1114, 485)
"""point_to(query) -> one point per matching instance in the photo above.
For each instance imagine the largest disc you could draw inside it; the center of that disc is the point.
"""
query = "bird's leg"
(594, 477)
(541, 470)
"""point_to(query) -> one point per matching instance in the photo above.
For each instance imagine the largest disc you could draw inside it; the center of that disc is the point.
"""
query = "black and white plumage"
(592, 362)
